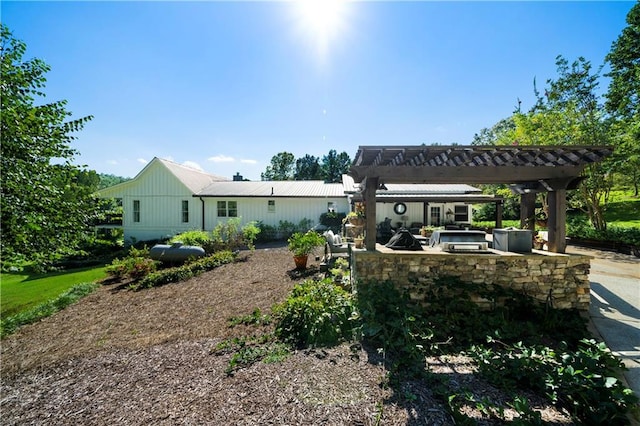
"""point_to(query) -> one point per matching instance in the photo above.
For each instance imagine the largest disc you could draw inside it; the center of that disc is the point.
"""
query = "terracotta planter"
(301, 261)
(359, 242)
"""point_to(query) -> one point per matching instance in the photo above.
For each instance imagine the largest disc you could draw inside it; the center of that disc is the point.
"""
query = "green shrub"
(267, 232)
(184, 272)
(193, 238)
(316, 313)
(136, 265)
(332, 220)
(225, 236)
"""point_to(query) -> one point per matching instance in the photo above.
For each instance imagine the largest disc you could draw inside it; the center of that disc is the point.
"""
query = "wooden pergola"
(529, 170)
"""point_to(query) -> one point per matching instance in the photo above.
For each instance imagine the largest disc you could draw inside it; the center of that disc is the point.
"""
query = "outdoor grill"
(455, 241)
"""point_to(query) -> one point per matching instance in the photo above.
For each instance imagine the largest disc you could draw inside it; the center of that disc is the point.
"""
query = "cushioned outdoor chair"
(334, 245)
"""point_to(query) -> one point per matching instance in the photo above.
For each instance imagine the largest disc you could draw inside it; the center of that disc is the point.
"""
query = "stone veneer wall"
(539, 274)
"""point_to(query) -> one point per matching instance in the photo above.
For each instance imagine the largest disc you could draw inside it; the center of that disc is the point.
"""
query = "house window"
(461, 214)
(233, 208)
(136, 210)
(435, 216)
(222, 209)
(227, 209)
(271, 206)
(185, 211)
(331, 207)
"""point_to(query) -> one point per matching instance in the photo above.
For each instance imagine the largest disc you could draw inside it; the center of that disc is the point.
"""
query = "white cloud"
(193, 165)
(142, 161)
(246, 161)
(112, 162)
(221, 159)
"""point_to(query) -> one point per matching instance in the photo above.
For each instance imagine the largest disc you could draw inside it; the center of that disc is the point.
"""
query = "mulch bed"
(147, 357)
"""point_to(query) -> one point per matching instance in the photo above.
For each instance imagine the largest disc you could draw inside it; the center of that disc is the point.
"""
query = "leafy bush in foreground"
(12, 323)
(316, 313)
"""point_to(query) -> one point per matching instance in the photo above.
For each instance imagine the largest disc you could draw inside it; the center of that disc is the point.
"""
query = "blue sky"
(224, 86)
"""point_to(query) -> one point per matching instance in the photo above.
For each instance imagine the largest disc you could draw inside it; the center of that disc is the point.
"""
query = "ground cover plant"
(521, 347)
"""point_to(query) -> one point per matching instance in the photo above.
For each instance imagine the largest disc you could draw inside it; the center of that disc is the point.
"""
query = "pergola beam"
(531, 169)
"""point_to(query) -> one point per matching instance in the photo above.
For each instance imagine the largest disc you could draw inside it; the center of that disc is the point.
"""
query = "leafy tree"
(493, 135)
(281, 167)
(334, 165)
(43, 195)
(107, 180)
(623, 97)
(570, 113)
(308, 168)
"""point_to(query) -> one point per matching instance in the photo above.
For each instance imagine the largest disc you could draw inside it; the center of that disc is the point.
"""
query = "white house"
(167, 198)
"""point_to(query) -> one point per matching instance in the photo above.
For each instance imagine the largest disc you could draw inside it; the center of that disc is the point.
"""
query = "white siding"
(160, 194)
(415, 213)
(287, 209)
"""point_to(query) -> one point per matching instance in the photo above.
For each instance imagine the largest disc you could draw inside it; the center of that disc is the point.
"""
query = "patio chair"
(334, 245)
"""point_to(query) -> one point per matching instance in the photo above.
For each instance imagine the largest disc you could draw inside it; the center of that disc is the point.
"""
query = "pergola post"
(371, 186)
(499, 214)
(556, 222)
(528, 211)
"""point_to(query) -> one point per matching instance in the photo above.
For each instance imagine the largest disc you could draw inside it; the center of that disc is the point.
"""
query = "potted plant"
(355, 217)
(301, 244)
(359, 241)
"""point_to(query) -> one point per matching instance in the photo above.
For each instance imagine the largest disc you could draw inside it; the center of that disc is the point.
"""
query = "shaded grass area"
(624, 213)
(21, 292)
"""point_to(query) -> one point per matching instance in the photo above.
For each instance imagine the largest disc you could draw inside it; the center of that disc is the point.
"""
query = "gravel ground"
(147, 357)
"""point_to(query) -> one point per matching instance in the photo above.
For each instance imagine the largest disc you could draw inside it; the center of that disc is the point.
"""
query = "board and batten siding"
(160, 194)
(290, 209)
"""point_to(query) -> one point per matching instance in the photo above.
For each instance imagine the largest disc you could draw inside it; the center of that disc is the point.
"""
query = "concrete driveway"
(615, 306)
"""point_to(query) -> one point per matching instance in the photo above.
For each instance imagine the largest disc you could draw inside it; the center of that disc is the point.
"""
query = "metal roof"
(193, 179)
(274, 189)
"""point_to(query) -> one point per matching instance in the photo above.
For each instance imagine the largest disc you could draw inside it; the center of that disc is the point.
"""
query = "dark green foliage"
(391, 322)
(184, 272)
(281, 167)
(316, 313)
(12, 323)
(46, 200)
(332, 220)
(107, 180)
(583, 380)
(334, 165)
(284, 166)
(308, 168)
(578, 227)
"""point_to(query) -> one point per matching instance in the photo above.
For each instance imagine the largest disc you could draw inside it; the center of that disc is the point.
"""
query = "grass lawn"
(625, 213)
(19, 292)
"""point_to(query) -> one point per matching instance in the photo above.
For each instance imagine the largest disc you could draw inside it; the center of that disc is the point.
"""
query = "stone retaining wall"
(559, 278)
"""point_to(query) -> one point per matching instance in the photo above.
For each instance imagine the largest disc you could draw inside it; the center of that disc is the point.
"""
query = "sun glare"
(321, 20)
